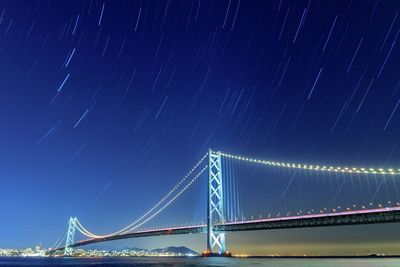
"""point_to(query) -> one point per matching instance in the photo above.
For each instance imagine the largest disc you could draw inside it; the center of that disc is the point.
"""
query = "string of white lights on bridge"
(382, 171)
(132, 226)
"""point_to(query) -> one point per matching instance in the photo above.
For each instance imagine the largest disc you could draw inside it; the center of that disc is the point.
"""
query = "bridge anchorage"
(224, 212)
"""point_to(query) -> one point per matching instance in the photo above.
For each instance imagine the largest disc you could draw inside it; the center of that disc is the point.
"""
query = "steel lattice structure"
(215, 203)
(68, 250)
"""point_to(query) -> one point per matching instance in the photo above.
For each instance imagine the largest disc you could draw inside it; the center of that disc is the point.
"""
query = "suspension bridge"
(247, 194)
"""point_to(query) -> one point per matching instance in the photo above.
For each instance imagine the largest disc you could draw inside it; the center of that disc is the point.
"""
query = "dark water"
(198, 262)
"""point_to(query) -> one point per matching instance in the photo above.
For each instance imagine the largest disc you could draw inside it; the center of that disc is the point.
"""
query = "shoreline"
(322, 257)
(233, 256)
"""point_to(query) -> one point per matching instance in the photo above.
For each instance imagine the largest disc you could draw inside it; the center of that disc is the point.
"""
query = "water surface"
(199, 262)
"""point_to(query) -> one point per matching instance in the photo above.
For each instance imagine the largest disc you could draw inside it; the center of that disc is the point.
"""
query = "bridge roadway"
(370, 216)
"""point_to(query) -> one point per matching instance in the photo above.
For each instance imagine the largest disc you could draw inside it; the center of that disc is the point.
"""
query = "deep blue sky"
(104, 105)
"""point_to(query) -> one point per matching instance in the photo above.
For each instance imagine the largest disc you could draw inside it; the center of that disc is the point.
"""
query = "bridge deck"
(372, 216)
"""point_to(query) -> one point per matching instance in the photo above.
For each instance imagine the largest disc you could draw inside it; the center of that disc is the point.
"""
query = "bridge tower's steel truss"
(68, 250)
(215, 212)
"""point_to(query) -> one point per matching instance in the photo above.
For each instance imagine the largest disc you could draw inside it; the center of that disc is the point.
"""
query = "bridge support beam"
(215, 212)
(68, 250)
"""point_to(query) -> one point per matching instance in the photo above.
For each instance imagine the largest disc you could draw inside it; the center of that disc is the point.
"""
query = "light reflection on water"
(198, 262)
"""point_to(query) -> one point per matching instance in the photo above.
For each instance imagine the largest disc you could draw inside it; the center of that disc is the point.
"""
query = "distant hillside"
(176, 250)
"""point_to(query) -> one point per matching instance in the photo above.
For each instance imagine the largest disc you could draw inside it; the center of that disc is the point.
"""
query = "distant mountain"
(175, 250)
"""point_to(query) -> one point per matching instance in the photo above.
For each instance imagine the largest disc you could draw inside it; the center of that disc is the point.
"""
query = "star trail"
(107, 103)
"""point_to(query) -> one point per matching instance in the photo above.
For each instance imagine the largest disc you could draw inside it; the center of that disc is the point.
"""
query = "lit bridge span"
(221, 208)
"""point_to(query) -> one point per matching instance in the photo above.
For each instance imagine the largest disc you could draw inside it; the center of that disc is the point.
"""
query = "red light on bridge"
(170, 231)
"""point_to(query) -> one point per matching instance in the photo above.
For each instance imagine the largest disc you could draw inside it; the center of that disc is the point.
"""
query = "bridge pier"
(207, 254)
(215, 211)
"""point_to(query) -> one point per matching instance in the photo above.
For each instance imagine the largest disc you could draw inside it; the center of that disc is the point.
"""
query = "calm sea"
(194, 262)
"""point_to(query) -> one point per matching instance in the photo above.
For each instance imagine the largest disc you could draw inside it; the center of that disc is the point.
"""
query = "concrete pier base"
(211, 254)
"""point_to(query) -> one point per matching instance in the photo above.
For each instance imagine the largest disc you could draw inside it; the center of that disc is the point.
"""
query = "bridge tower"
(68, 250)
(215, 211)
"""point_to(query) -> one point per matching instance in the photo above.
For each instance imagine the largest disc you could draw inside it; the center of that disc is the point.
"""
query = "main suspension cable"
(380, 171)
(133, 226)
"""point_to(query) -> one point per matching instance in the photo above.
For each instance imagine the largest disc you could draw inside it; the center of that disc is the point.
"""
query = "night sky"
(106, 105)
